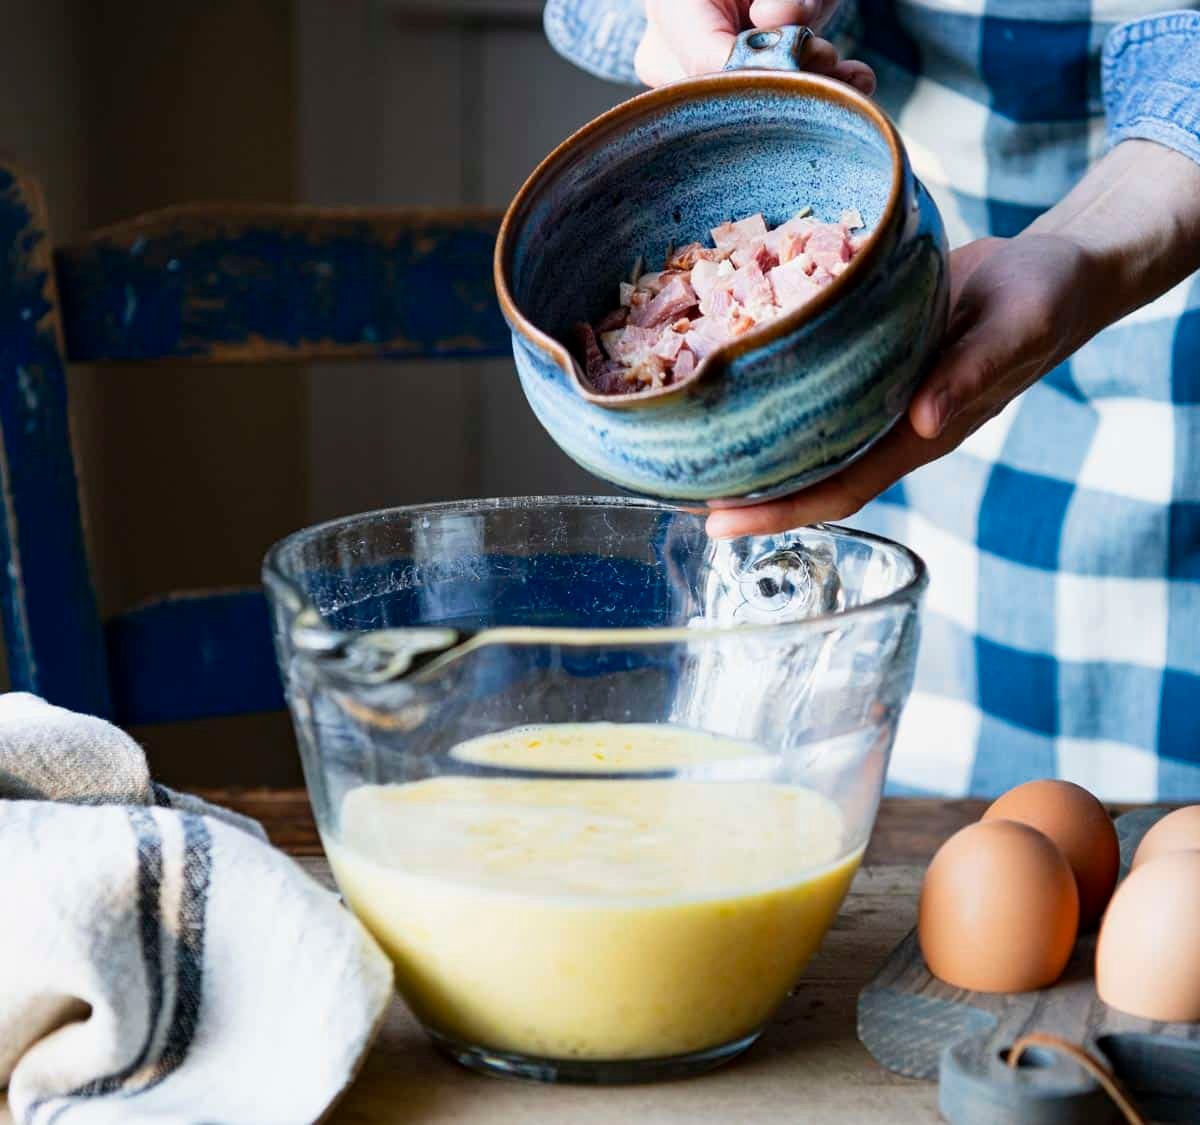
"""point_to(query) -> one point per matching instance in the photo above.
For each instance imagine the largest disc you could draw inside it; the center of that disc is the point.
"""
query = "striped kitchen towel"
(159, 961)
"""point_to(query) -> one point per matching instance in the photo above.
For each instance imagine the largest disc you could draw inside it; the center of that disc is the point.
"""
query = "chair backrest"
(205, 284)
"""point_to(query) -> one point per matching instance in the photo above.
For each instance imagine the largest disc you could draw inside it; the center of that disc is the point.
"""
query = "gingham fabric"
(1062, 632)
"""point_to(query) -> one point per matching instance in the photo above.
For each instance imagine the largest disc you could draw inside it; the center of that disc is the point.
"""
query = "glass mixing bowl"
(597, 783)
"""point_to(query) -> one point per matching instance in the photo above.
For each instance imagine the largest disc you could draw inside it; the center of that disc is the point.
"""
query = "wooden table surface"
(807, 1067)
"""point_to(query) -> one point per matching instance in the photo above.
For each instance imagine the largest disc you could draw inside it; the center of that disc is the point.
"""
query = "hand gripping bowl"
(545, 943)
(786, 404)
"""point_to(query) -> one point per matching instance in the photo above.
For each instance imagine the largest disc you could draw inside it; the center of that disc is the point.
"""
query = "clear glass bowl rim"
(296, 601)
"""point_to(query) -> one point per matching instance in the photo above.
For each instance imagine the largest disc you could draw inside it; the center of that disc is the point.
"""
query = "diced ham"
(606, 376)
(828, 245)
(790, 246)
(650, 372)
(630, 345)
(593, 358)
(719, 302)
(792, 285)
(750, 287)
(741, 323)
(655, 282)
(729, 236)
(759, 252)
(707, 334)
(671, 320)
(668, 344)
(676, 298)
(704, 277)
(686, 257)
(685, 364)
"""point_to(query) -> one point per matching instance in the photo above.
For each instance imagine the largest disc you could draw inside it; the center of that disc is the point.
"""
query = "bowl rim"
(721, 83)
(277, 580)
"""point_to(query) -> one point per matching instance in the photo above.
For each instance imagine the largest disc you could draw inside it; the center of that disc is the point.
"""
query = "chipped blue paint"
(192, 657)
(202, 284)
(51, 627)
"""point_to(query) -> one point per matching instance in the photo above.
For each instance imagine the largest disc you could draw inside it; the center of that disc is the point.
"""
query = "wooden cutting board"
(917, 1026)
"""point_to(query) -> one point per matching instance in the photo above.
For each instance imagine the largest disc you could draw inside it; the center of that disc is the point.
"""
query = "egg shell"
(999, 909)
(1081, 827)
(1148, 952)
(1176, 832)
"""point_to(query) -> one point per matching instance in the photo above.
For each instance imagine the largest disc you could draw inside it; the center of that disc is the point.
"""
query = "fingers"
(655, 63)
(778, 13)
(856, 74)
(837, 498)
(700, 33)
(821, 57)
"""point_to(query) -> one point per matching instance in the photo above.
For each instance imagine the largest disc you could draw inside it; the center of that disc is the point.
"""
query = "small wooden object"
(917, 1026)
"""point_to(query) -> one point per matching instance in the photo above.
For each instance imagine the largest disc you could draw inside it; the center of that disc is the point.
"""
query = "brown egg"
(1176, 832)
(1148, 952)
(999, 909)
(1082, 829)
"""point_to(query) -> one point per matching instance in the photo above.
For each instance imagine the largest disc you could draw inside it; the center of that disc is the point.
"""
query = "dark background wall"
(188, 474)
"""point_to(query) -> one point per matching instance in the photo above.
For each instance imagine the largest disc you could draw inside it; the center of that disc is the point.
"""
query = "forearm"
(1136, 215)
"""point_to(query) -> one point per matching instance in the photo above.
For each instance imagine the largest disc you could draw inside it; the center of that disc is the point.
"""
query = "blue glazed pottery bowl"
(789, 403)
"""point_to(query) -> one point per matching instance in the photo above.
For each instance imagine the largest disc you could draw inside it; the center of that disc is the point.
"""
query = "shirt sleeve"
(601, 36)
(1151, 81)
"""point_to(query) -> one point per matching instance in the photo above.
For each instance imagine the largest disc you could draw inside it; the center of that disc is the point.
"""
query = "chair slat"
(259, 284)
(193, 656)
(51, 627)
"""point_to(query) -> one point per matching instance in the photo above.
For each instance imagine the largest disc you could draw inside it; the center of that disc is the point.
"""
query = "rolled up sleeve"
(1151, 81)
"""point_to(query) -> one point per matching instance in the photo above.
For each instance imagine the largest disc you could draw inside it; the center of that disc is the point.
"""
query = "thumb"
(701, 34)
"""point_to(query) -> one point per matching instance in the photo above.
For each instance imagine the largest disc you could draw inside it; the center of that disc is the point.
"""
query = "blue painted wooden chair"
(208, 284)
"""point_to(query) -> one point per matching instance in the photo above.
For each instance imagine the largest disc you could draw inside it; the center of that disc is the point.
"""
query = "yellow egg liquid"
(594, 919)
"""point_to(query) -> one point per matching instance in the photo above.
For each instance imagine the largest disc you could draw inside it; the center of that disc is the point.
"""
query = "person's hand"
(1127, 232)
(1019, 307)
(689, 37)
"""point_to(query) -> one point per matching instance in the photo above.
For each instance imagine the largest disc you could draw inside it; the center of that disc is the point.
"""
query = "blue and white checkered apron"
(1062, 632)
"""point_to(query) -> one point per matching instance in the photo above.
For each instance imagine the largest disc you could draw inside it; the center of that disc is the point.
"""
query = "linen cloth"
(159, 961)
(1062, 631)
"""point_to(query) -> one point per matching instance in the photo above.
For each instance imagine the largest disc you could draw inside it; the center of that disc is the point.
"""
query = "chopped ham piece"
(708, 276)
(686, 257)
(671, 320)
(606, 376)
(729, 236)
(676, 298)
(630, 345)
(758, 252)
(719, 302)
(792, 285)
(668, 344)
(790, 246)
(655, 282)
(750, 288)
(741, 323)
(707, 334)
(685, 364)
(828, 245)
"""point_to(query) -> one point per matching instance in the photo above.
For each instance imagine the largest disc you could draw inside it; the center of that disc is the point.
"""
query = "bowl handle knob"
(780, 48)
